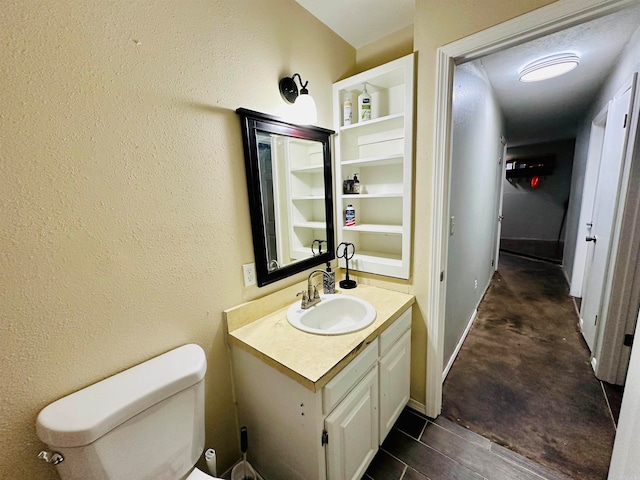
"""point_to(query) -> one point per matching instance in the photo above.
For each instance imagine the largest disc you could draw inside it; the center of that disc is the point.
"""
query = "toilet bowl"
(145, 423)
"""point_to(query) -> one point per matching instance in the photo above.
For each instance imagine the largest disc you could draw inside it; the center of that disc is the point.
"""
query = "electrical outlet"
(475, 284)
(249, 271)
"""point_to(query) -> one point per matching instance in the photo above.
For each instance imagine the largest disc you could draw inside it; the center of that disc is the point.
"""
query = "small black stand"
(347, 283)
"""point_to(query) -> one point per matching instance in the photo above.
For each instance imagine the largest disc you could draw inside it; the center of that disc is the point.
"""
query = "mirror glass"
(290, 194)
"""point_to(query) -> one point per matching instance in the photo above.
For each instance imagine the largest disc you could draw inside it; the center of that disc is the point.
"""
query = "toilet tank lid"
(84, 416)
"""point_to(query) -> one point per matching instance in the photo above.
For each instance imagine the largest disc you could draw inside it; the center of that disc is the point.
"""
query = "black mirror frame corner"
(252, 121)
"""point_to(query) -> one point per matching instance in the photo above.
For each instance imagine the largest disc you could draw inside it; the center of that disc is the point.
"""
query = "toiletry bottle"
(347, 186)
(364, 106)
(356, 184)
(346, 109)
(329, 282)
(349, 216)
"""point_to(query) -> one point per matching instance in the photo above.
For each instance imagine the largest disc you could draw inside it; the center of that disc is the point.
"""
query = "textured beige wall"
(437, 23)
(124, 208)
(395, 45)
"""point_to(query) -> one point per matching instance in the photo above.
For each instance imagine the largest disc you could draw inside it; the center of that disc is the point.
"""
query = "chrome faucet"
(310, 296)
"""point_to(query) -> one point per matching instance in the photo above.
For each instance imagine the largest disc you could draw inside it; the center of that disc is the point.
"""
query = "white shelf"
(372, 228)
(307, 197)
(314, 225)
(377, 161)
(380, 151)
(373, 121)
(366, 260)
(372, 195)
(387, 259)
(310, 169)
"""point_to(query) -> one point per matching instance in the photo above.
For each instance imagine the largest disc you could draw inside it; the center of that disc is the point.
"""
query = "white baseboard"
(459, 345)
(417, 406)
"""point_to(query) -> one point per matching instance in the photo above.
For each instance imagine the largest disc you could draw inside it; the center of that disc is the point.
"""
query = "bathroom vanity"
(317, 407)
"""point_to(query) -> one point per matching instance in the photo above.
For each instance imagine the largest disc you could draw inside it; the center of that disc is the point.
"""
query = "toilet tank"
(144, 423)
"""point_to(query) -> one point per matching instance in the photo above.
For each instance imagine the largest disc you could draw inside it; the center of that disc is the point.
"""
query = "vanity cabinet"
(380, 152)
(331, 432)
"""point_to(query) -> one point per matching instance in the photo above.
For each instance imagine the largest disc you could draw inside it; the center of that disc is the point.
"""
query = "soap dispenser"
(329, 280)
(364, 106)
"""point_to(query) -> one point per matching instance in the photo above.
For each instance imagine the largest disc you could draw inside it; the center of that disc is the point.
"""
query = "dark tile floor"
(418, 448)
(613, 395)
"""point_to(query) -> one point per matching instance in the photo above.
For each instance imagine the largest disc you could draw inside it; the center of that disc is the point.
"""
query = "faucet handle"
(305, 297)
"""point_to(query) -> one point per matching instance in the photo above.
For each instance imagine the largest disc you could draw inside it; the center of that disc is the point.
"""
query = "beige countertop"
(311, 360)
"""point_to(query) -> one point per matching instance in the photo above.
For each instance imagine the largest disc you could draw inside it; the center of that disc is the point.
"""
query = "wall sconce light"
(305, 111)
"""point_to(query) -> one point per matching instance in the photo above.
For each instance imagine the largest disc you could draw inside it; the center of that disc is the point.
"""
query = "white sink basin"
(334, 315)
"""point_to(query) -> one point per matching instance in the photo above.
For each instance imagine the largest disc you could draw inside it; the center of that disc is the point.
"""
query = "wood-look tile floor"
(418, 448)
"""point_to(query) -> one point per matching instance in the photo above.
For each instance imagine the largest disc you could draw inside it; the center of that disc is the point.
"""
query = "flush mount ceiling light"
(549, 67)
(305, 107)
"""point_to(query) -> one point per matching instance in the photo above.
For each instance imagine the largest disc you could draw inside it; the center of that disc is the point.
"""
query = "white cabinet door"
(352, 430)
(395, 378)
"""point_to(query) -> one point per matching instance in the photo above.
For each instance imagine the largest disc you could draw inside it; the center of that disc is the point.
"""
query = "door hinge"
(492, 261)
(625, 120)
(595, 322)
(442, 275)
(628, 340)
(325, 438)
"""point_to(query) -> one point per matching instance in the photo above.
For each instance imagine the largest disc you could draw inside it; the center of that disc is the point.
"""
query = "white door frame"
(621, 294)
(617, 150)
(625, 462)
(554, 17)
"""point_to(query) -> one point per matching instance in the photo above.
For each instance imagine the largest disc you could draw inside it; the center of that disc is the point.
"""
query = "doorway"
(602, 219)
(528, 27)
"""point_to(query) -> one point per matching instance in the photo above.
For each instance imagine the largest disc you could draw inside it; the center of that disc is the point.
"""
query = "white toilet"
(146, 423)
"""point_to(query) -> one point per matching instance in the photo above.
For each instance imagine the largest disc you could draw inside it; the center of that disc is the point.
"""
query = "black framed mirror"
(289, 182)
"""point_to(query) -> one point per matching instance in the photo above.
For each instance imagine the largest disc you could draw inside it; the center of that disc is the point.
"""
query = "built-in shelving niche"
(380, 152)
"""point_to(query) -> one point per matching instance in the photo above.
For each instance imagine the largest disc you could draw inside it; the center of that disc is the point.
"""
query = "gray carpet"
(523, 379)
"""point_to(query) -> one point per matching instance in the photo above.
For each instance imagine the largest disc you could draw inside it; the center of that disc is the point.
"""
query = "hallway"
(523, 379)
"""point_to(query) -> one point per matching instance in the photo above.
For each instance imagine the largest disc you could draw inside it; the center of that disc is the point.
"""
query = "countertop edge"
(316, 384)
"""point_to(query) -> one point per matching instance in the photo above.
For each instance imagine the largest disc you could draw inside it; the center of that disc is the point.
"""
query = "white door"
(596, 140)
(604, 213)
(395, 380)
(352, 430)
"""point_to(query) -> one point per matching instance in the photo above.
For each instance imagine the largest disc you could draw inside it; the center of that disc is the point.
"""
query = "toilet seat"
(197, 474)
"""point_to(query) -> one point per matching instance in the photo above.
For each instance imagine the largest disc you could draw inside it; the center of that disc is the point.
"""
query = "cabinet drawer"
(395, 331)
(342, 383)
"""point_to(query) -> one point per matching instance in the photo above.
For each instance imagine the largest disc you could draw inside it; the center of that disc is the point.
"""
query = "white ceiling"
(360, 22)
(551, 109)
(534, 111)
